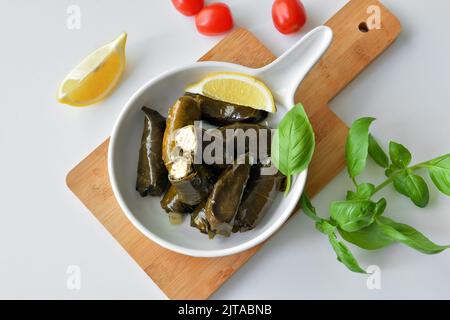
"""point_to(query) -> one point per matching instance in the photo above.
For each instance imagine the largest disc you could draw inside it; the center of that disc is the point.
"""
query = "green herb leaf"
(400, 156)
(409, 236)
(351, 195)
(439, 170)
(388, 172)
(391, 170)
(377, 153)
(344, 255)
(308, 208)
(412, 186)
(369, 238)
(363, 192)
(322, 225)
(353, 215)
(325, 227)
(380, 206)
(357, 145)
(293, 143)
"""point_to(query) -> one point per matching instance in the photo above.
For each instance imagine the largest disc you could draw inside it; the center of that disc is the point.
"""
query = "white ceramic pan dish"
(282, 76)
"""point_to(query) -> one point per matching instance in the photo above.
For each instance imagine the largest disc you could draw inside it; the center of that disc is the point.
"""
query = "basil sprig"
(328, 228)
(359, 219)
(293, 143)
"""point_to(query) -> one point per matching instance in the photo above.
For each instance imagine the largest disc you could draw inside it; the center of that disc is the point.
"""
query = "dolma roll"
(171, 202)
(259, 194)
(192, 182)
(199, 221)
(151, 173)
(183, 113)
(223, 113)
(223, 202)
(246, 138)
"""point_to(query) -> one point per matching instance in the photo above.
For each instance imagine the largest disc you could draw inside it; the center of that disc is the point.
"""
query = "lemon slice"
(94, 77)
(235, 88)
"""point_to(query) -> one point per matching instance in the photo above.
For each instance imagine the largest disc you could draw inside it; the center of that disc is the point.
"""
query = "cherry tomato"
(188, 7)
(288, 15)
(214, 19)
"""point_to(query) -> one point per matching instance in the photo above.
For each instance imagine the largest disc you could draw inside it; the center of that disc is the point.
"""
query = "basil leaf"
(391, 170)
(369, 238)
(308, 208)
(322, 225)
(400, 156)
(377, 153)
(409, 236)
(357, 145)
(293, 143)
(344, 255)
(380, 206)
(353, 215)
(439, 170)
(412, 186)
(351, 195)
(325, 227)
(388, 172)
(363, 192)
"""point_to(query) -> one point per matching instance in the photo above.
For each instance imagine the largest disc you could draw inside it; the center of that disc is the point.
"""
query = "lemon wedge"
(235, 88)
(94, 77)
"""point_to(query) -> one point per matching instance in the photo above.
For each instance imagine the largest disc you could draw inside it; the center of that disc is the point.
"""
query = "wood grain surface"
(184, 277)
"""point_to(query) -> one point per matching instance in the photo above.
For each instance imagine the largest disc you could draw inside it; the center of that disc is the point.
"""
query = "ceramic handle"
(284, 75)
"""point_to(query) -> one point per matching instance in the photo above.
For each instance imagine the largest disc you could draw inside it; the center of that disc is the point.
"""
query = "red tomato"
(288, 15)
(188, 7)
(214, 19)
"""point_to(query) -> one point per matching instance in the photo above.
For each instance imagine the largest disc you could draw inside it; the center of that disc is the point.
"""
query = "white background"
(44, 228)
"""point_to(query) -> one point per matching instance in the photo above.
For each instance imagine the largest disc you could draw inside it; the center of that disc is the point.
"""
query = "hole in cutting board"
(363, 27)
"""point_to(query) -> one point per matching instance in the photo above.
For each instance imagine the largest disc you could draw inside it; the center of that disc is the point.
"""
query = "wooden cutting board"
(184, 277)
